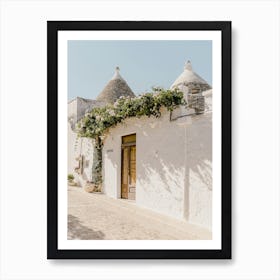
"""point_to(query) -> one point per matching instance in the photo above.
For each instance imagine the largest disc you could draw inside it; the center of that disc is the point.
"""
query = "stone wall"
(79, 106)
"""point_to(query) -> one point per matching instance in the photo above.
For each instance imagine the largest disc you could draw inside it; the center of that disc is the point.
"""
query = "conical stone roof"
(189, 77)
(115, 88)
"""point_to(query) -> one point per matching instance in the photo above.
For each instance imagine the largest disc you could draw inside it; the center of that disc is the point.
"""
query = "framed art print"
(139, 140)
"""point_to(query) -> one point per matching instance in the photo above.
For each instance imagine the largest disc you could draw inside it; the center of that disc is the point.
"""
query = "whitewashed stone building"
(164, 164)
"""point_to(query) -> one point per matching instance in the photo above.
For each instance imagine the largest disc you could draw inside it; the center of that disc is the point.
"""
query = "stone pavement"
(97, 216)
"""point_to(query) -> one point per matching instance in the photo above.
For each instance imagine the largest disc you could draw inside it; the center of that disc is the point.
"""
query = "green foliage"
(99, 120)
(70, 177)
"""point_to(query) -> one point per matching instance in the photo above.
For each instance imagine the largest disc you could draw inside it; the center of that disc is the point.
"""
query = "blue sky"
(143, 64)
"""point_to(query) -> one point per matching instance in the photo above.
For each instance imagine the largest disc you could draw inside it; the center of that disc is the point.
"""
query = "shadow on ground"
(78, 231)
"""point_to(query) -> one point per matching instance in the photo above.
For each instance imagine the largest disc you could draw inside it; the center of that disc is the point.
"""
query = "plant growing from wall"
(97, 122)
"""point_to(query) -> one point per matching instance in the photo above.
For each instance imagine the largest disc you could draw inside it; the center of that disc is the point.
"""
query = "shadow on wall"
(162, 174)
(78, 231)
(199, 151)
(169, 163)
(85, 177)
(163, 170)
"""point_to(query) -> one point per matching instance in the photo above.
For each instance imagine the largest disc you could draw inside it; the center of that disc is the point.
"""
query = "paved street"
(96, 216)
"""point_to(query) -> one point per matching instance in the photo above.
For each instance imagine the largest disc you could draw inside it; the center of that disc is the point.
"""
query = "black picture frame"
(52, 129)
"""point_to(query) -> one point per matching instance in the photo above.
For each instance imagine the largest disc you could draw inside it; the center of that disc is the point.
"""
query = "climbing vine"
(97, 122)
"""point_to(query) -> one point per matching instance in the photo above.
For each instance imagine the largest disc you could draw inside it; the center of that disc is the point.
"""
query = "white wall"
(78, 107)
(159, 164)
(199, 170)
(111, 157)
(80, 146)
(169, 164)
(72, 151)
(72, 111)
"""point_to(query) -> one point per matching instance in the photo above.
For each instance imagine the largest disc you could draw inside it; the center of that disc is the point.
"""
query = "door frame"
(121, 161)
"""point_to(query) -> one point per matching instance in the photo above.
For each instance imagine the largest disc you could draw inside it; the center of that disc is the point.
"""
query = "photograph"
(139, 142)
(139, 152)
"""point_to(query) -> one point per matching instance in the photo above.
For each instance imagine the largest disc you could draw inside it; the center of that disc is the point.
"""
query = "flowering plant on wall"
(97, 122)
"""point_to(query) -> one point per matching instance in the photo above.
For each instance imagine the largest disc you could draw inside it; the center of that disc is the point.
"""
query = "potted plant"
(71, 181)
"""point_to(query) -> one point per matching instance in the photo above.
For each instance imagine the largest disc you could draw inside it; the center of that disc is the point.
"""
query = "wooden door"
(132, 173)
(128, 169)
(125, 167)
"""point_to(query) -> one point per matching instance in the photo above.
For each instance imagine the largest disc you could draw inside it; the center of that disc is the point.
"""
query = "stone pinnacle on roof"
(189, 77)
(115, 88)
(188, 66)
(117, 74)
